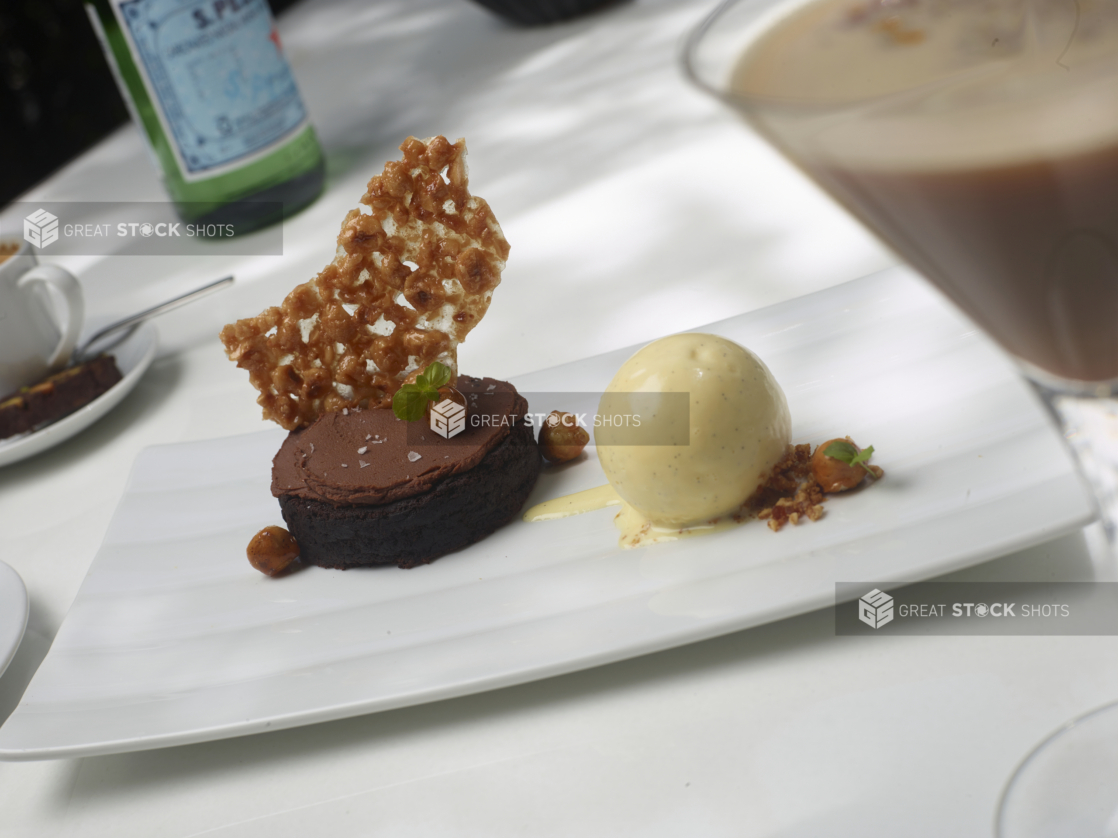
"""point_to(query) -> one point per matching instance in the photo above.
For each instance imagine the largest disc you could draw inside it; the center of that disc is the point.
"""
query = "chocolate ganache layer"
(362, 489)
(370, 458)
(460, 510)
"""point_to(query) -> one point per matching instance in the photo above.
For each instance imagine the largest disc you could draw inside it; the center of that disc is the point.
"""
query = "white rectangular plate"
(173, 638)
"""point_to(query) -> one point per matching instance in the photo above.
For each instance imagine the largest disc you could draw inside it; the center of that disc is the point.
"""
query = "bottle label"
(216, 75)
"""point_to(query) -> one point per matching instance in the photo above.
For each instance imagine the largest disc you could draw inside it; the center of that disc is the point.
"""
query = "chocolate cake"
(362, 488)
(57, 396)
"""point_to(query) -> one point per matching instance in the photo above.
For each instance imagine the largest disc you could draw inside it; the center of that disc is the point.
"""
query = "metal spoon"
(129, 324)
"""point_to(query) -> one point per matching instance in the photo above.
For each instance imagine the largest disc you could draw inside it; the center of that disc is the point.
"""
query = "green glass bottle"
(207, 82)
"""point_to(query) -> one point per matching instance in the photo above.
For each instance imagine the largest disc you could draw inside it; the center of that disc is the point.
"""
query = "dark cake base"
(57, 396)
(460, 510)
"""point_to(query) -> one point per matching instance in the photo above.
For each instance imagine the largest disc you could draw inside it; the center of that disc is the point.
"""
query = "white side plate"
(173, 638)
(132, 357)
(13, 614)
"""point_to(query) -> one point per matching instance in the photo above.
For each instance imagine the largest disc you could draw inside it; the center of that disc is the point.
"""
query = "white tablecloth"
(635, 207)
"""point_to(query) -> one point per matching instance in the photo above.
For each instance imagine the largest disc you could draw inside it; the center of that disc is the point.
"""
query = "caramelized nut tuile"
(273, 551)
(414, 272)
(561, 439)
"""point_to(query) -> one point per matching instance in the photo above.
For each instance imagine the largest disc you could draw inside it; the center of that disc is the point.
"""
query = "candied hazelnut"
(561, 438)
(413, 376)
(273, 551)
(452, 393)
(834, 475)
(447, 391)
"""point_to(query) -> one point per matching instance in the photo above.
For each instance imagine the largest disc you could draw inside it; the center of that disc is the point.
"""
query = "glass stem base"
(1089, 425)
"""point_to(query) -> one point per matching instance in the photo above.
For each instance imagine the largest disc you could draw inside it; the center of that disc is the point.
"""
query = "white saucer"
(13, 614)
(132, 357)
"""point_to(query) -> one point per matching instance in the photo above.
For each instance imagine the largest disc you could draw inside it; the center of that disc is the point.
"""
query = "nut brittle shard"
(415, 270)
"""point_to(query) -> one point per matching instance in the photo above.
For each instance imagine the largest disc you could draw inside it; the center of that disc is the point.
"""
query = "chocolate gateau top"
(370, 457)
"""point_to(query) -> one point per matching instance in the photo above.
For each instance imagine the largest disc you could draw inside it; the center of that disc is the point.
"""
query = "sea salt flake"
(362, 449)
(344, 465)
(345, 411)
(491, 387)
(413, 456)
(363, 463)
(312, 447)
(368, 436)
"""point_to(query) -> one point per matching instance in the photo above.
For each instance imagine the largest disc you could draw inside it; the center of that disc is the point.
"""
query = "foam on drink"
(979, 139)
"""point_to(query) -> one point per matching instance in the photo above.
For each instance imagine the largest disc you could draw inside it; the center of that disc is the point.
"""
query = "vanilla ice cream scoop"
(739, 427)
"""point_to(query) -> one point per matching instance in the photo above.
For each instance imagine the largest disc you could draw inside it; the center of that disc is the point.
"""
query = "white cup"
(35, 337)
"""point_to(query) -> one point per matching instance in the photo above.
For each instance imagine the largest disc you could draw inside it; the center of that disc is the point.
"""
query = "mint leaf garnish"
(410, 401)
(437, 375)
(863, 456)
(847, 453)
